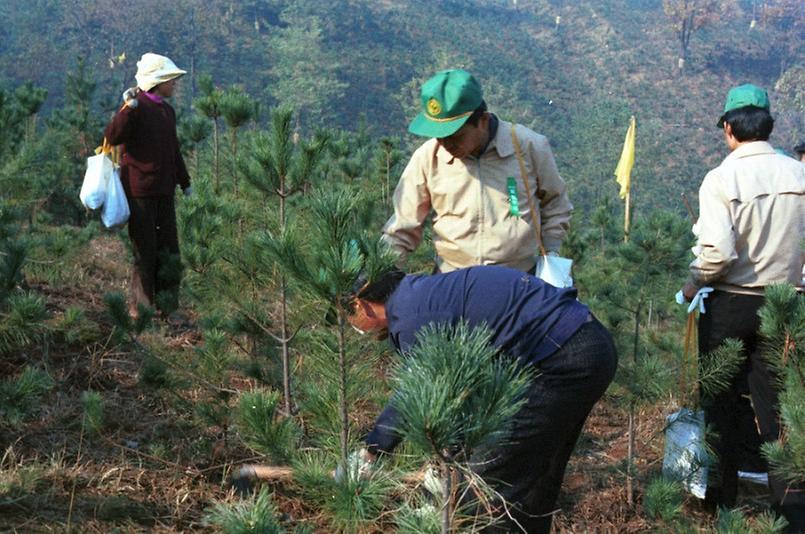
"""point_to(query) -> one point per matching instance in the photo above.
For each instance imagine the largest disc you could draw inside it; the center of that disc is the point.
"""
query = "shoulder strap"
(524, 176)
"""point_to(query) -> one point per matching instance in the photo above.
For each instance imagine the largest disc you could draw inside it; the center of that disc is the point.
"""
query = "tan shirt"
(752, 221)
(469, 200)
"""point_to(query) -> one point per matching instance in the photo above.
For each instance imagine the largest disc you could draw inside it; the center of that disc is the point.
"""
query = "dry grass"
(153, 468)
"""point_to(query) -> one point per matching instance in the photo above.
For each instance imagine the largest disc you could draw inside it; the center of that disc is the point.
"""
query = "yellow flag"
(623, 171)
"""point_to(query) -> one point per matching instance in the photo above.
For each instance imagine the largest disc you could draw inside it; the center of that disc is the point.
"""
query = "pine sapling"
(387, 159)
(783, 330)
(277, 166)
(626, 279)
(663, 500)
(237, 109)
(257, 516)
(20, 396)
(22, 321)
(214, 362)
(262, 429)
(455, 395)
(194, 131)
(209, 104)
(92, 420)
(353, 503)
(126, 326)
(326, 265)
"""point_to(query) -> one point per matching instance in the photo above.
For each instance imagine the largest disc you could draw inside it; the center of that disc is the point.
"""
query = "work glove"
(130, 97)
(358, 467)
(697, 300)
(188, 191)
(433, 483)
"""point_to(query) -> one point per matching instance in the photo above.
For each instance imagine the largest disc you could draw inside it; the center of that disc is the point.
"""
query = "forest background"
(574, 71)
(105, 423)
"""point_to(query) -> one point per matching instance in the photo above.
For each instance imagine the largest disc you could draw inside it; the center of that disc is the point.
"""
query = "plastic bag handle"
(113, 151)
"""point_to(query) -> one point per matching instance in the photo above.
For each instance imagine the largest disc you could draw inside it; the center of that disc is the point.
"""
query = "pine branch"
(717, 368)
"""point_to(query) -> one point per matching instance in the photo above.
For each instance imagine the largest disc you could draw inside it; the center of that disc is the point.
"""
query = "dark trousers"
(156, 272)
(528, 470)
(731, 315)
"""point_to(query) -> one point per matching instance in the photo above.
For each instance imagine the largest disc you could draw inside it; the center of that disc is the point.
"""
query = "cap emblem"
(434, 108)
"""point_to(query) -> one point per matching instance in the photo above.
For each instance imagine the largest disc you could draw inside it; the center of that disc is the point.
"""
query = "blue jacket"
(530, 319)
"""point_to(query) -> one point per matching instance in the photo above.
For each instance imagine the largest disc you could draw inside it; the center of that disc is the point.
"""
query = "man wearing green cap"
(752, 218)
(467, 175)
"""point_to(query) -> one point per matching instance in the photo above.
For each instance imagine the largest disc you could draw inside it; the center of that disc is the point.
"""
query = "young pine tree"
(278, 168)
(456, 395)
(256, 517)
(326, 265)
(387, 158)
(783, 328)
(624, 283)
(209, 104)
(22, 313)
(237, 109)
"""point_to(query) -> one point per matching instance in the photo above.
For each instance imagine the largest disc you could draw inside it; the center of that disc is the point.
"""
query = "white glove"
(358, 464)
(130, 97)
(432, 483)
(188, 191)
(698, 299)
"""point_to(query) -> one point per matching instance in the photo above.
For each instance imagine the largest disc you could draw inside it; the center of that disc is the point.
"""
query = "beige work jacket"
(751, 223)
(473, 222)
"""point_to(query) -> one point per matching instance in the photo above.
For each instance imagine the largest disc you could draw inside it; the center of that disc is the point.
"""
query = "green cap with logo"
(448, 100)
(742, 96)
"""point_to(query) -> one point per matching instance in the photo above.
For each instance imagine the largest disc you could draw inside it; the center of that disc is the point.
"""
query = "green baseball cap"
(742, 96)
(448, 100)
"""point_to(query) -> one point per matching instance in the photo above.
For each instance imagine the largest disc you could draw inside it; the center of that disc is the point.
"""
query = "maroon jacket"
(151, 164)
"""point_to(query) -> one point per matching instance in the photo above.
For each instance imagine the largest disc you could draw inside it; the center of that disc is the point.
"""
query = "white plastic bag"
(555, 270)
(115, 211)
(93, 190)
(685, 457)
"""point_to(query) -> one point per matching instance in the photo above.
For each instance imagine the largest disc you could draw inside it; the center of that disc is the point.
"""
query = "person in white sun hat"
(151, 166)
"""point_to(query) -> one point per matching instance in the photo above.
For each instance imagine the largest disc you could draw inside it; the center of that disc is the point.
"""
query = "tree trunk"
(286, 358)
(447, 491)
(630, 450)
(650, 313)
(388, 178)
(342, 385)
(215, 154)
(636, 329)
(286, 364)
(630, 458)
(234, 147)
(684, 39)
(683, 49)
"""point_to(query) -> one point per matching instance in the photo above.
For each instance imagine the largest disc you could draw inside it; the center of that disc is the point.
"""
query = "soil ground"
(152, 469)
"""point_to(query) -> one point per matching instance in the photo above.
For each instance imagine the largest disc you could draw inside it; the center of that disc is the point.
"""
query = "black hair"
(382, 288)
(800, 148)
(477, 114)
(750, 123)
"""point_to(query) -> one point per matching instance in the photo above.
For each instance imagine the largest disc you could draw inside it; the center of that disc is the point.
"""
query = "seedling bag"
(93, 190)
(116, 208)
(685, 457)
